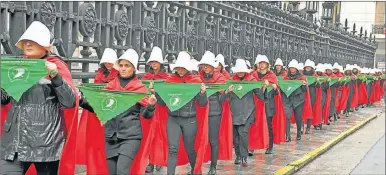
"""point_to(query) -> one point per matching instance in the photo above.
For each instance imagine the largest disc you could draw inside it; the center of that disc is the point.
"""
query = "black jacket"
(35, 127)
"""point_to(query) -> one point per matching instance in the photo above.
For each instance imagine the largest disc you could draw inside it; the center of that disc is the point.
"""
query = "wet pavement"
(285, 153)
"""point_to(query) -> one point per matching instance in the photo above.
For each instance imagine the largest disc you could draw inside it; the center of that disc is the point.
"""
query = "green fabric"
(109, 104)
(289, 86)
(323, 78)
(311, 79)
(333, 81)
(213, 88)
(18, 75)
(147, 82)
(346, 79)
(176, 95)
(243, 87)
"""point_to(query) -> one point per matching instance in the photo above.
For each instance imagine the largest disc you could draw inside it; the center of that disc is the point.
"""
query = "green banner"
(213, 88)
(346, 79)
(323, 78)
(289, 86)
(333, 81)
(243, 87)
(311, 79)
(109, 104)
(147, 82)
(18, 75)
(176, 95)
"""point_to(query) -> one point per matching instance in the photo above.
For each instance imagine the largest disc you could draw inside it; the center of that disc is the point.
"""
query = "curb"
(294, 166)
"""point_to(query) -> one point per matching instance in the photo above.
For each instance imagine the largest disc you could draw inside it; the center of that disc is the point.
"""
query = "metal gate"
(234, 29)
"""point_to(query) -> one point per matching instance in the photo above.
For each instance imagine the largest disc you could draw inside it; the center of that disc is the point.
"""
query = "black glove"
(5, 99)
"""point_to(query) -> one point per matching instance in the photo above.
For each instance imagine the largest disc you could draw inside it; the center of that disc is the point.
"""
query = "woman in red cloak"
(279, 68)
(107, 72)
(248, 118)
(123, 134)
(217, 109)
(295, 102)
(156, 71)
(48, 141)
(273, 108)
(221, 66)
(185, 120)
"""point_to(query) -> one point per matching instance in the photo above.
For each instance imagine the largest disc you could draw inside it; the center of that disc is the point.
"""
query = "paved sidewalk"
(288, 152)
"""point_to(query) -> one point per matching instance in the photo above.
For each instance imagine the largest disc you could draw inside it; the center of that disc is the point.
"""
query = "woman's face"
(208, 69)
(328, 71)
(278, 68)
(109, 66)
(292, 70)
(220, 67)
(308, 68)
(33, 50)
(126, 69)
(240, 74)
(263, 65)
(155, 65)
(181, 71)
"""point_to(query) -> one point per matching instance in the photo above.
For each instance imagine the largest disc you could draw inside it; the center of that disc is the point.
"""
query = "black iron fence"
(234, 29)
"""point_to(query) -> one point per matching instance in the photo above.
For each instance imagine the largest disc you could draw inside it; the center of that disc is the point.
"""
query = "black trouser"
(368, 86)
(188, 128)
(214, 128)
(241, 138)
(349, 99)
(9, 167)
(298, 111)
(119, 164)
(270, 130)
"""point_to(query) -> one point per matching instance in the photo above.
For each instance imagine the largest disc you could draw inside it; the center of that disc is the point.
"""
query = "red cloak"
(258, 133)
(326, 110)
(101, 78)
(338, 96)
(225, 141)
(343, 97)
(226, 74)
(67, 160)
(157, 76)
(278, 120)
(95, 151)
(363, 96)
(201, 140)
(354, 101)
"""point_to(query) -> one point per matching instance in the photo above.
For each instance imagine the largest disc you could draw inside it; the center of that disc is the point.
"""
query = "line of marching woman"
(41, 129)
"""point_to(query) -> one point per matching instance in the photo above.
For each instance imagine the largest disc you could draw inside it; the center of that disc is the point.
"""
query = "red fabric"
(326, 109)
(4, 112)
(226, 74)
(343, 97)
(68, 158)
(258, 133)
(95, 152)
(157, 76)
(363, 96)
(226, 130)
(278, 120)
(247, 77)
(101, 78)
(317, 108)
(354, 101)
(201, 140)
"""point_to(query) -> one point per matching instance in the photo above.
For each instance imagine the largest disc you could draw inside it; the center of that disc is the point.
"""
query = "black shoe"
(250, 153)
(308, 130)
(356, 109)
(321, 126)
(335, 118)
(269, 151)
(330, 118)
(149, 168)
(347, 115)
(244, 161)
(158, 168)
(192, 173)
(212, 170)
(288, 139)
(237, 160)
(298, 136)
